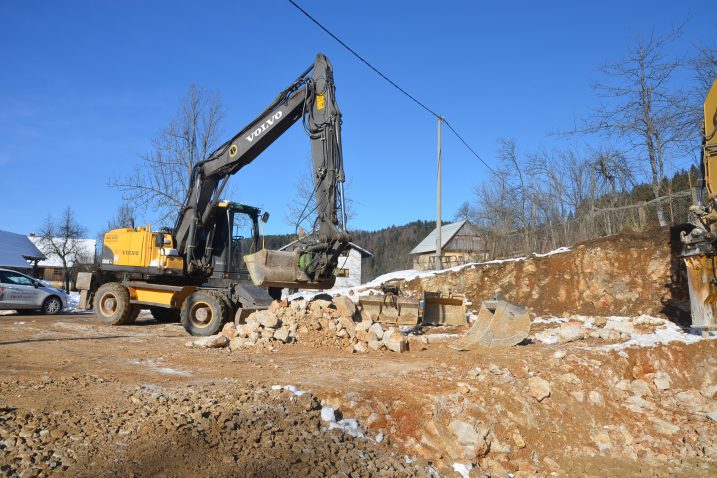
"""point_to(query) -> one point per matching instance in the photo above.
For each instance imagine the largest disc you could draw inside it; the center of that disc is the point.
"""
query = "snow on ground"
(73, 300)
(408, 274)
(662, 330)
(462, 470)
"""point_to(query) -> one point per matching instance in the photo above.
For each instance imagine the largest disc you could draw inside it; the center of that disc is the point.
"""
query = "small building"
(18, 252)
(461, 243)
(350, 268)
(50, 268)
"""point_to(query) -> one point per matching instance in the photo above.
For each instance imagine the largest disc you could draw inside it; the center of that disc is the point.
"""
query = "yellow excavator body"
(140, 250)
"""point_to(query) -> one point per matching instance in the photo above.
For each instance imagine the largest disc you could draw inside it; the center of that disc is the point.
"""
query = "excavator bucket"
(391, 308)
(499, 324)
(444, 309)
(280, 269)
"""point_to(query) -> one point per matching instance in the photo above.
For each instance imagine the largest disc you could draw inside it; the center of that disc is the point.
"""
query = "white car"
(21, 292)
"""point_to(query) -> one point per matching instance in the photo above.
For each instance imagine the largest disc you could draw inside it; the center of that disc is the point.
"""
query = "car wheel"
(52, 305)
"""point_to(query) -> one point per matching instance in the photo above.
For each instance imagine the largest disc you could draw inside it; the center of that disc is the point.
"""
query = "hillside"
(390, 246)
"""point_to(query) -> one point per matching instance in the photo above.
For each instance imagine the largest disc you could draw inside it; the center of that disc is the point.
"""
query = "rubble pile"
(335, 323)
(226, 429)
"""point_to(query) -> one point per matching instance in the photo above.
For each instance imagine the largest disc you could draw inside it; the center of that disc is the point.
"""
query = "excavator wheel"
(203, 313)
(112, 306)
(164, 315)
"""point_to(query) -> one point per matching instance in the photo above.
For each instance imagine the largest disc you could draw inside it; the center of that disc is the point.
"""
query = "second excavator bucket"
(280, 269)
(443, 309)
(391, 308)
(499, 324)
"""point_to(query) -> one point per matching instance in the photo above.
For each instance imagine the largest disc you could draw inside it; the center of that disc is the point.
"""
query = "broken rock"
(344, 306)
(212, 342)
(664, 427)
(570, 333)
(395, 341)
(539, 388)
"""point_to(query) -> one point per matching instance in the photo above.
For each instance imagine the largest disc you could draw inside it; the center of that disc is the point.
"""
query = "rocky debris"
(211, 342)
(318, 323)
(223, 429)
(662, 380)
(344, 306)
(570, 333)
(664, 427)
(539, 388)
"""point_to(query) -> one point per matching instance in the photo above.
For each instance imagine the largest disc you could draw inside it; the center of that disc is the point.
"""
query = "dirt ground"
(81, 399)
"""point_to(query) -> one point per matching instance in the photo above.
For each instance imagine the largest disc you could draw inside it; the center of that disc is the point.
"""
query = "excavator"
(699, 249)
(202, 271)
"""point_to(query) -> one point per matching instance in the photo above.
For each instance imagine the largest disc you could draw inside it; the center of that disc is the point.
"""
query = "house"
(50, 268)
(18, 252)
(461, 243)
(348, 273)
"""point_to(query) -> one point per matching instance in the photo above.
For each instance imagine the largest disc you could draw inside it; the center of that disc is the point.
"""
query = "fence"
(593, 224)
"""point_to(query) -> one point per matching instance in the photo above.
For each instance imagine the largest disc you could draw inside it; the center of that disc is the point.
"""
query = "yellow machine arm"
(700, 244)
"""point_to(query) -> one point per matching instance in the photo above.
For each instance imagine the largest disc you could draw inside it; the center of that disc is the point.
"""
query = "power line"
(362, 59)
(413, 98)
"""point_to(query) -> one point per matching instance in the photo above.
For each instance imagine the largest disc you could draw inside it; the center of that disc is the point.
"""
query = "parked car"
(21, 292)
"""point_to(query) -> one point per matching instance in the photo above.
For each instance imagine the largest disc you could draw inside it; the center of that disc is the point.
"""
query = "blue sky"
(84, 86)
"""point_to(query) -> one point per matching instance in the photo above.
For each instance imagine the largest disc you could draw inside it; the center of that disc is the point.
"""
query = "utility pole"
(439, 266)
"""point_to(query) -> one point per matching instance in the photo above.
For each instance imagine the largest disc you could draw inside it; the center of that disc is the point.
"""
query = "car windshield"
(8, 277)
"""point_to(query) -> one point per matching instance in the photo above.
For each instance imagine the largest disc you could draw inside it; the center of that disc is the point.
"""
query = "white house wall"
(353, 264)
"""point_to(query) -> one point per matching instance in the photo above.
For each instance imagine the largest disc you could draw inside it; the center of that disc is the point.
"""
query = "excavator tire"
(164, 315)
(112, 306)
(203, 313)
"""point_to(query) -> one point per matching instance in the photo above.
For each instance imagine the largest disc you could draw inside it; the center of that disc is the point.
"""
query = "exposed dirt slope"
(627, 274)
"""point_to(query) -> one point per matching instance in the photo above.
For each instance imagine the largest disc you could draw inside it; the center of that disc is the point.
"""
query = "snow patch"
(463, 470)
(665, 333)
(290, 388)
(559, 250)
(406, 275)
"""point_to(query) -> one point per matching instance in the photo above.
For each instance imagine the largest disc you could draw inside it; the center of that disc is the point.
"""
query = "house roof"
(429, 243)
(86, 249)
(16, 250)
(364, 253)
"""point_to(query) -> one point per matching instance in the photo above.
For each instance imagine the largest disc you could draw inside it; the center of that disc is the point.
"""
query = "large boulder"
(344, 306)
(395, 341)
(212, 342)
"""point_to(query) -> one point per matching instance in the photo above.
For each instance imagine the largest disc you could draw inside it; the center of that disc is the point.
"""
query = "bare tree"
(124, 217)
(705, 70)
(465, 212)
(62, 239)
(160, 182)
(642, 107)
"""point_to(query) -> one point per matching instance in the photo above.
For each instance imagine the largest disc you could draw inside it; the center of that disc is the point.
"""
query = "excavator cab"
(236, 234)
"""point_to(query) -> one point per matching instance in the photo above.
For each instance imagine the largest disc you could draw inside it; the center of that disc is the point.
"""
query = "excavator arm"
(310, 98)
(700, 244)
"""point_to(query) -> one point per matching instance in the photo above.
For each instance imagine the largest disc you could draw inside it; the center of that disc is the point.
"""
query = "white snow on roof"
(86, 248)
(428, 244)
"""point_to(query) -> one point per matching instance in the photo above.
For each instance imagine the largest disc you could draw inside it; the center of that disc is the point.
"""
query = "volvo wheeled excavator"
(700, 243)
(201, 272)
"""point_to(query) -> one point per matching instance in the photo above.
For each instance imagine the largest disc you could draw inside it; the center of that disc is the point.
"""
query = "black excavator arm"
(310, 98)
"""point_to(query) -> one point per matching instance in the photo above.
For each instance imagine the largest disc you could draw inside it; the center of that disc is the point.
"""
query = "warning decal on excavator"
(233, 150)
(320, 104)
